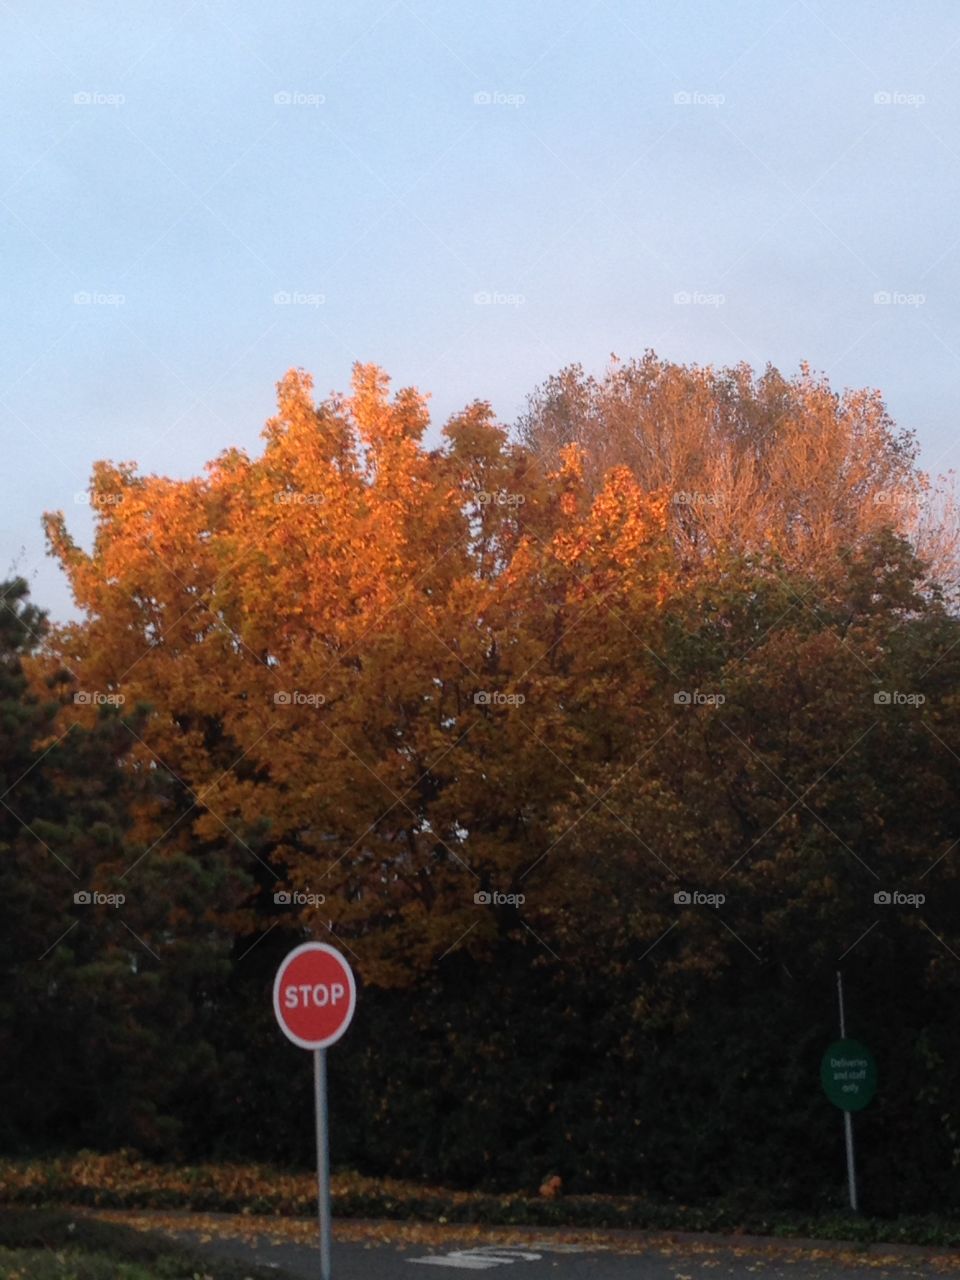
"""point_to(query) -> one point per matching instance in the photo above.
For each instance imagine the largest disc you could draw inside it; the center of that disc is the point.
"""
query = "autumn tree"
(88, 1012)
(751, 462)
(373, 666)
(481, 712)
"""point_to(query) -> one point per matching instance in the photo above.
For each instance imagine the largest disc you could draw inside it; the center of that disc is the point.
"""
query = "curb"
(613, 1235)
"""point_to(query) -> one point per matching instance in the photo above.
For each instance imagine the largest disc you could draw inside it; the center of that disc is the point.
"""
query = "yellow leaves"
(379, 422)
(474, 436)
(294, 403)
(313, 628)
(571, 462)
(619, 544)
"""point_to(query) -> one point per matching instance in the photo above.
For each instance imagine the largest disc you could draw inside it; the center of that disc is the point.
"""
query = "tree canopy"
(578, 736)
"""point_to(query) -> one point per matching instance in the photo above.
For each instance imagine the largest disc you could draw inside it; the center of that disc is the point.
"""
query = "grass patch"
(55, 1245)
(123, 1180)
(40, 1264)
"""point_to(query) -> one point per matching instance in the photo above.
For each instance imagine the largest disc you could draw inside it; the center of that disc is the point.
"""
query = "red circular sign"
(314, 995)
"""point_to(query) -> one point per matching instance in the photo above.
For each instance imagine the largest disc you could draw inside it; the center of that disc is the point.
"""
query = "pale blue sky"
(145, 156)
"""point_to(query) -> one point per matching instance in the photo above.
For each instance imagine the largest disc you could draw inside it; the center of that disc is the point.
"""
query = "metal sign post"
(848, 1073)
(847, 1117)
(323, 1158)
(314, 996)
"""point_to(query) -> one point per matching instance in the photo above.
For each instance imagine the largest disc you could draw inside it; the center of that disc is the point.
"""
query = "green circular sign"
(848, 1073)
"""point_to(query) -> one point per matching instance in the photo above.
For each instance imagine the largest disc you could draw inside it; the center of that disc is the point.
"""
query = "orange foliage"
(369, 663)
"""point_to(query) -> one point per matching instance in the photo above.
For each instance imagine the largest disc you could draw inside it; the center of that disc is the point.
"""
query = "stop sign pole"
(321, 1114)
(314, 996)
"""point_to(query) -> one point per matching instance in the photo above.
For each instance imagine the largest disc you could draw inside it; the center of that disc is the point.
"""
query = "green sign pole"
(848, 1074)
(847, 1117)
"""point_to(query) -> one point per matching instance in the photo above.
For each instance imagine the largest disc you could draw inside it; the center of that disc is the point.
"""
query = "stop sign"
(314, 995)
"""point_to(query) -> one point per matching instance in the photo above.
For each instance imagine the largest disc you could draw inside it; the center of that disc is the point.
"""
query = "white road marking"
(466, 1261)
(479, 1259)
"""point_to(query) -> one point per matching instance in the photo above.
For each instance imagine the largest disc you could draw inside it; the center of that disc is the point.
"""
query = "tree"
(373, 666)
(752, 462)
(481, 713)
(97, 977)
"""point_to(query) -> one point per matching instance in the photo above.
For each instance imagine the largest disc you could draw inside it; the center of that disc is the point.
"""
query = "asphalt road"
(537, 1258)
